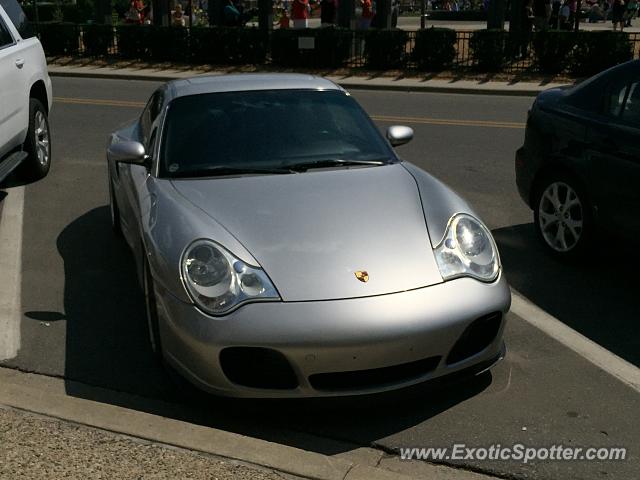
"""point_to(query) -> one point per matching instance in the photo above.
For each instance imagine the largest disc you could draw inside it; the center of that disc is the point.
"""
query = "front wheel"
(38, 144)
(562, 216)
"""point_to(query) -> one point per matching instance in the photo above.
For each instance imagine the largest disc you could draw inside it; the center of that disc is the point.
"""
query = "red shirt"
(299, 10)
(366, 9)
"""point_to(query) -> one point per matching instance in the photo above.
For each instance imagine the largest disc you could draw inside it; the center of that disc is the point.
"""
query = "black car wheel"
(37, 144)
(562, 216)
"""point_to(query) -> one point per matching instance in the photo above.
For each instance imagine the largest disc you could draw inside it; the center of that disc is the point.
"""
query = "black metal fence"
(320, 48)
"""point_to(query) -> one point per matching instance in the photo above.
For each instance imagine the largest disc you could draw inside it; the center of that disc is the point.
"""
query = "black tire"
(116, 226)
(564, 227)
(37, 144)
(152, 313)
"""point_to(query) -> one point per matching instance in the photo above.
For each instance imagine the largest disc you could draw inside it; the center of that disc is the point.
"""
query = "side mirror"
(399, 135)
(128, 152)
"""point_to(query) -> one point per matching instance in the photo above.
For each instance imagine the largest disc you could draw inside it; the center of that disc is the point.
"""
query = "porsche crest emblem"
(363, 276)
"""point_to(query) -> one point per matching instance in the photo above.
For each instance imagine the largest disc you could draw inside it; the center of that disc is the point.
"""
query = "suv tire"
(37, 144)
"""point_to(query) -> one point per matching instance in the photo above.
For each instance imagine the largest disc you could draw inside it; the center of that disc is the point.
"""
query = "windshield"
(222, 133)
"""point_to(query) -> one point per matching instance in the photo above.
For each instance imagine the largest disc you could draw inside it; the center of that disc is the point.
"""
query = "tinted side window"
(150, 113)
(5, 36)
(17, 16)
(631, 111)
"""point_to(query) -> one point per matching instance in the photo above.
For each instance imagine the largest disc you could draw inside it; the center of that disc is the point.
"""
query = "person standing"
(300, 14)
(364, 22)
(541, 14)
(617, 14)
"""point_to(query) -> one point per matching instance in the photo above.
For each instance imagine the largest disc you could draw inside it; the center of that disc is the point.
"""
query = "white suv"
(25, 97)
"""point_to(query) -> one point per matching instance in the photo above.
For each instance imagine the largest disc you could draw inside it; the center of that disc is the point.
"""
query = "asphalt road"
(83, 315)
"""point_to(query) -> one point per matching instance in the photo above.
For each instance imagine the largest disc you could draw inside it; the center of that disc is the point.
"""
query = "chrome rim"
(560, 217)
(41, 138)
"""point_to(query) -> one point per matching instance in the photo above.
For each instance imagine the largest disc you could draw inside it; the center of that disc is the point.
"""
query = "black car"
(579, 167)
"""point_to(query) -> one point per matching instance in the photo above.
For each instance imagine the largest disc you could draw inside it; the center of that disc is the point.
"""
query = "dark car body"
(589, 134)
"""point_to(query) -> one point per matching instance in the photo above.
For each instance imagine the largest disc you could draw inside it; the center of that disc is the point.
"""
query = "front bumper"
(367, 334)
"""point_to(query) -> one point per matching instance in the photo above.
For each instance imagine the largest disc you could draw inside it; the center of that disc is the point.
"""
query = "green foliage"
(385, 49)
(59, 38)
(435, 48)
(97, 39)
(228, 45)
(332, 47)
(489, 49)
(597, 51)
(553, 50)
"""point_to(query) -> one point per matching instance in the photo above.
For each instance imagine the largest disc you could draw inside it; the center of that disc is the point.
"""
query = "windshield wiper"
(332, 162)
(219, 170)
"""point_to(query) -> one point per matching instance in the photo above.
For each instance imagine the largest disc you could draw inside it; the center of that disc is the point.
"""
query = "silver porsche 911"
(285, 250)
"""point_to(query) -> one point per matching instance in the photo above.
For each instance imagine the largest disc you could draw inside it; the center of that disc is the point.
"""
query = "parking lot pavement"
(82, 310)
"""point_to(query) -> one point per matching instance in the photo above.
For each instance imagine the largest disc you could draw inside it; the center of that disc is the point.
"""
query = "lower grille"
(477, 336)
(257, 367)
(377, 377)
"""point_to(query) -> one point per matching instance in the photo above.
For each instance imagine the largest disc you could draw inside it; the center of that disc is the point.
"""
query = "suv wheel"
(37, 144)
(562, 216)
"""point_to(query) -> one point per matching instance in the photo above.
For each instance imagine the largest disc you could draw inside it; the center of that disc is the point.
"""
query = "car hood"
(312, 232)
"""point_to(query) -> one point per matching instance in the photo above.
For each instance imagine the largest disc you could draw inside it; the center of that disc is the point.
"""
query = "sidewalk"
(54, 435)
(440, 85)
(34, 447)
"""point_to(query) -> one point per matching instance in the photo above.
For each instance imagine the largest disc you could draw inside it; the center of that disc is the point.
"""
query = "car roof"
(248, 82)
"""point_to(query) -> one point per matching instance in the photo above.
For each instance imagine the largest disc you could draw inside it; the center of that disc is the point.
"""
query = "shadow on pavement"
(108, 358)
(595, 296)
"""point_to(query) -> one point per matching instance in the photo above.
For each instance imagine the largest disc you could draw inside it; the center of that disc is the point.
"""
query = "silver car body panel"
(247, 82)
(334, 336)
(439, 202)
(311, 232)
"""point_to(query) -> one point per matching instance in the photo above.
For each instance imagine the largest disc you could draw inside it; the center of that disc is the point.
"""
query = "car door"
(614, 150)
(132, 177)
(11, 89)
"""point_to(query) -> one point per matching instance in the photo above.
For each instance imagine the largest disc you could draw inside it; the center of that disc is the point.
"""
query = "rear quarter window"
(18, 18)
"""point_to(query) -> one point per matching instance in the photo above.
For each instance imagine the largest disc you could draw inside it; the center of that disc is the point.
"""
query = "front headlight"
(218, 282)
(467, 250)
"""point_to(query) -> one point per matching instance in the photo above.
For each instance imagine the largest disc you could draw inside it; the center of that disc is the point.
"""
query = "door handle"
(20, 62)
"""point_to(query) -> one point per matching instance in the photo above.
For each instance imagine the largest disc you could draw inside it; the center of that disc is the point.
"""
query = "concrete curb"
(46, 396)
(528, 89)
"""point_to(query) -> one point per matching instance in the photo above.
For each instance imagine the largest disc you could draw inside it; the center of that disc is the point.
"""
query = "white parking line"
(599, 356)
(10, 272)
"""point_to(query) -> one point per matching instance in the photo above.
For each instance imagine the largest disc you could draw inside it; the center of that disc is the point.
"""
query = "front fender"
(439, 202)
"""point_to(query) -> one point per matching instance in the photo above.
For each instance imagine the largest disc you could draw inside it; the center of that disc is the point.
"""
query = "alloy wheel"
(41, 133)
(561, 217)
